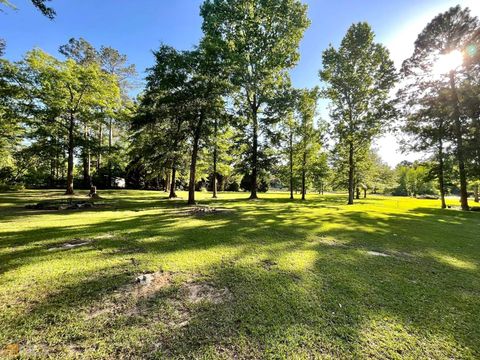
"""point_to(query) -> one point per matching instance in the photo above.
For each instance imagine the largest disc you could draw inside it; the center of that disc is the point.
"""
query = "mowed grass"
(387, 278)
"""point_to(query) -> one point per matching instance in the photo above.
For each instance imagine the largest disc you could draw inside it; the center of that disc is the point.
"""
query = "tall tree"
(116, 64)
(437, 57)
(257, 41)
(426, 121)
(309, 136)
(71, 91)
(358, 77)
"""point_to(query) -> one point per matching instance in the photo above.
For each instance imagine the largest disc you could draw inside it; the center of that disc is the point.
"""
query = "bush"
(263, 187)
(234, 186)
(11, 187)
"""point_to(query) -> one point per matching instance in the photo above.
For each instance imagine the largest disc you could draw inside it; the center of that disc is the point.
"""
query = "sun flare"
(447, 62)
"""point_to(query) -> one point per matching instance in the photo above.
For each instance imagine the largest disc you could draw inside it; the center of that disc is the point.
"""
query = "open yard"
(147, 277)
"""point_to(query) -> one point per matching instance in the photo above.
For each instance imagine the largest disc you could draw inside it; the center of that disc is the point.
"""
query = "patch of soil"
(204, 210)
(200, 292)
(376, 253)
(148, 284)
(389, 253)
(129, 300)
(267, 264)
(125, 251)
(125, 299)
(65, 205)
(70, 244)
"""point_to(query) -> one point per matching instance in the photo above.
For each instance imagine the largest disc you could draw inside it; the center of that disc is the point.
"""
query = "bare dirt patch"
(388, 253)
(267, 264)
(203, 210)
(66, 205)
(377, 253)
(72, 244)
(129, 300)
(200, 292)
(149, 284)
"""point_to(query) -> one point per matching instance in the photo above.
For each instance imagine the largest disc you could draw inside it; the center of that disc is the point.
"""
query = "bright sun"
(448, 62)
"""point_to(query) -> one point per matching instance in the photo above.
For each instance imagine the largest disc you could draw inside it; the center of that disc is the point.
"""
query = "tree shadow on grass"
(346, 303)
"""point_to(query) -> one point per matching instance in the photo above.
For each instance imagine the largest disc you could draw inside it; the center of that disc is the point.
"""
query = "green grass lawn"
(387, 278)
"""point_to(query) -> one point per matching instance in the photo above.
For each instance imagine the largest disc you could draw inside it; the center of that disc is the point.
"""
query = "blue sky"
(135, 27)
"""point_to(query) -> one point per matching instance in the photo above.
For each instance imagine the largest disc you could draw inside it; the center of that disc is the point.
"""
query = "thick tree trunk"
(459, 141)
(71, 145)
(476, 193)
(193, 161)
(290, 145)
(358, 193)
(364, 193)
(172, 186)
(351, 173)
(253, 193)
(215, 156)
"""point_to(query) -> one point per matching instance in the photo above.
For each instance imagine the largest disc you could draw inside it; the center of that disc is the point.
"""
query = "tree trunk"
(475, 193)
(304, 164)
(351, 173)
(364, 193)
(193, 161)
(441, 176)
(358, 193)
(167, 181)
(215, 156)
(290, 145)
(86, 158)
(172, 186)
(100, 143)
(253, 193)
(71, 145)
(459, 140)
(110, 142)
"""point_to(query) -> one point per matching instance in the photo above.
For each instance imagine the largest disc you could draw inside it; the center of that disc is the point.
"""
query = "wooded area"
(224, 115)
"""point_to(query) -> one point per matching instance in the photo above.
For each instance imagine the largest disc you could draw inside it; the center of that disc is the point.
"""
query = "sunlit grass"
(385, 278)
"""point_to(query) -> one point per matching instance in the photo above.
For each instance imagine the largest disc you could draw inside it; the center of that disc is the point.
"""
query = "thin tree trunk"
(71, 126)
(351, 173)
(110, 143)
(253, 193)
(304, 164)
(215, 156)
(475, 193)
(172, 186)
(100, 144)
(193, 161)
(459, 140)
(358, 193)
(441, 176)
(86, 159)
(291, 162)
(364, 193)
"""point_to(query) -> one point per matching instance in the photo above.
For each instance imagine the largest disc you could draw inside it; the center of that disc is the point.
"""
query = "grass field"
(387, 278)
